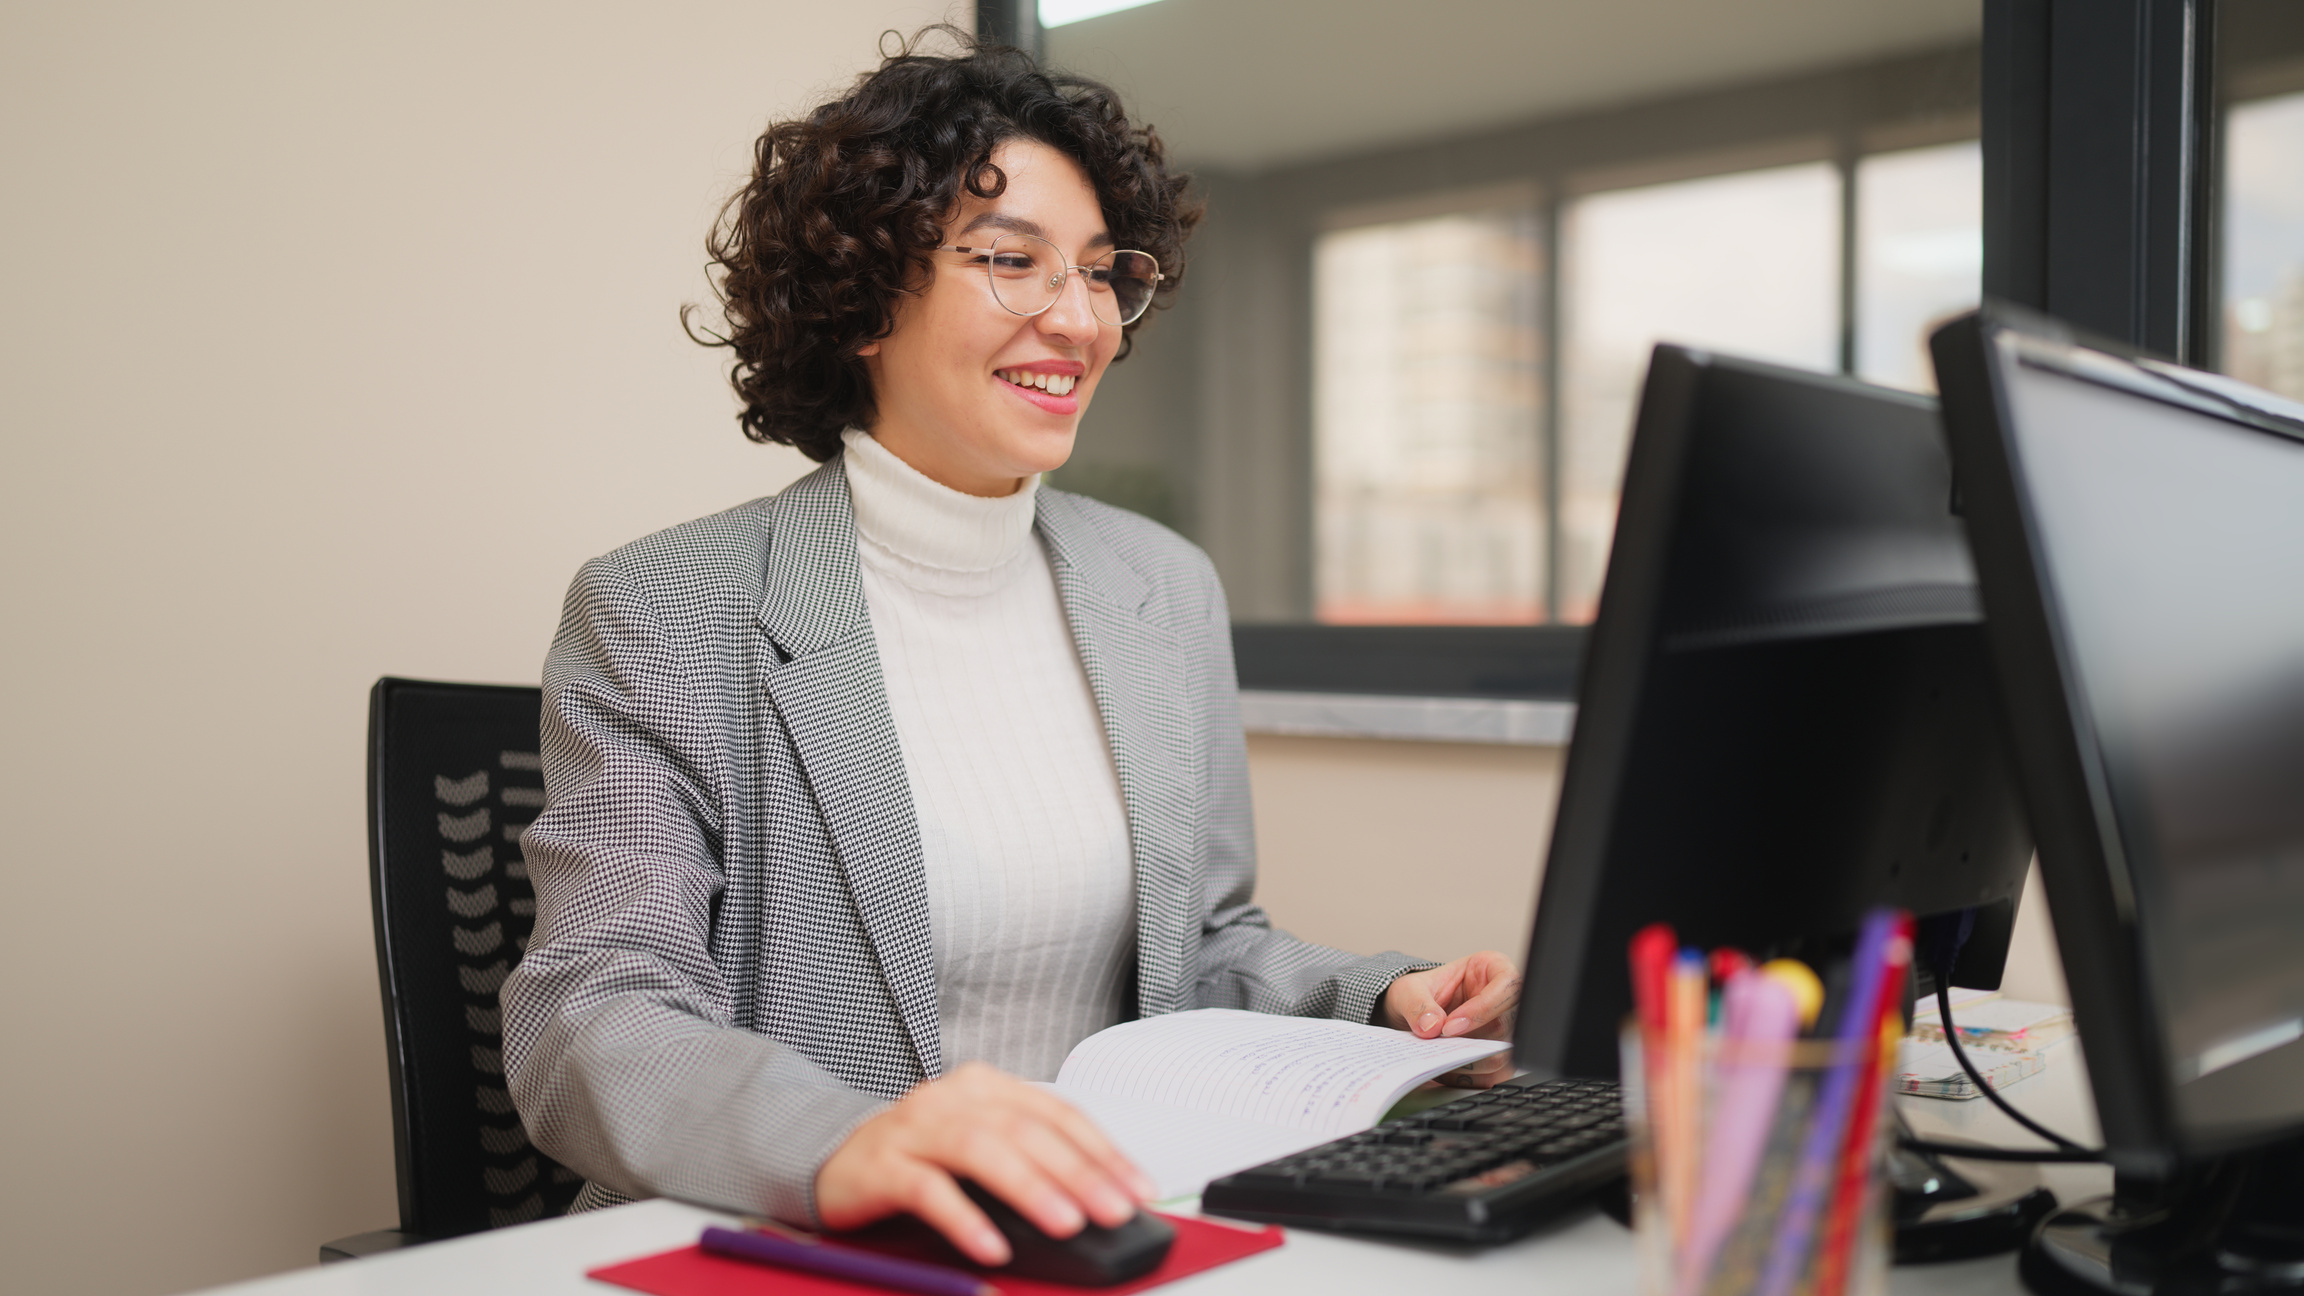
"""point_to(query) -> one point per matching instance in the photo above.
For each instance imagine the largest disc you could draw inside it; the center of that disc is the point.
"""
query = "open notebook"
(2005, 1038)
(1194, 1096)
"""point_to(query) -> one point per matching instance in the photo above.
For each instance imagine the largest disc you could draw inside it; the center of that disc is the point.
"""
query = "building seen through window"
(1431, 430)
(1919, 256)
(1746, 262)
(1427, 401)
(2263, 249)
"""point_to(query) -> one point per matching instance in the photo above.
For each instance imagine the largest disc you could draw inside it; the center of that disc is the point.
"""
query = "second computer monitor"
(1787, 713)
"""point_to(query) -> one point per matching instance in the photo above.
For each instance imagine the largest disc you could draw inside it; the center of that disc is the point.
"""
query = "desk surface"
(1582, 1253)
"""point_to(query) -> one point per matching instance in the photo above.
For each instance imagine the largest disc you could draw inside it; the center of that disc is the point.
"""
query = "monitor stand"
(2233, 1226)
(1946, 1213)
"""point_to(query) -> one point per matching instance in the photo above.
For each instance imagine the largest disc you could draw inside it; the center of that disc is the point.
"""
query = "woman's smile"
(1046, 384)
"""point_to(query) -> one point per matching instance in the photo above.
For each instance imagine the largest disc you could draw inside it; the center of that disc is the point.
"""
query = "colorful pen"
(1817, 1172)
(1801, 980)
(1856, 1154)
(1760, 1021)
(1652, 950)
(1683, 1132)
(841, 1262)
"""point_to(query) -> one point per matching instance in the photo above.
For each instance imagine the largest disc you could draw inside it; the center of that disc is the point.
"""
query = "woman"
(869, 799)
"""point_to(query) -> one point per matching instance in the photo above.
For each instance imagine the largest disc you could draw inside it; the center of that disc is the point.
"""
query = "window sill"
(1506, 722)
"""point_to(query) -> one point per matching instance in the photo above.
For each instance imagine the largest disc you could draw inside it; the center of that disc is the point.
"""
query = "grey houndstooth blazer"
(732, 965)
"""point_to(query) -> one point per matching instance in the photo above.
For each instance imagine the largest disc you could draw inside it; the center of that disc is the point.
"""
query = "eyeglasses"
(1028, 273)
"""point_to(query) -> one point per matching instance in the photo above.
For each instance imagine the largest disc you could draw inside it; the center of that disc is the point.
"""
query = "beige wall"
(1434, 849)
(1437, 849)
(335, 337)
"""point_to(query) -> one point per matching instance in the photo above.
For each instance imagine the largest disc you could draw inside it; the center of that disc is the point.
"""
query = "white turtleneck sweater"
(1030, 885)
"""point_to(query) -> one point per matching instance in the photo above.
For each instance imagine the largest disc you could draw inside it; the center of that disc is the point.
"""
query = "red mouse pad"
(688, 1271)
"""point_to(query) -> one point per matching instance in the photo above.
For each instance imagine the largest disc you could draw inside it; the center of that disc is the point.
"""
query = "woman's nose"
(1071, 316)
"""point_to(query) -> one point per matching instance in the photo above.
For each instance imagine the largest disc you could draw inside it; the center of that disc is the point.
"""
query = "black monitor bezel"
(2084, 864)
(1629, 640)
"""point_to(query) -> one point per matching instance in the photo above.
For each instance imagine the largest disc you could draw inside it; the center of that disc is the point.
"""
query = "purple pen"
(1812, 1180)
(840, 1262)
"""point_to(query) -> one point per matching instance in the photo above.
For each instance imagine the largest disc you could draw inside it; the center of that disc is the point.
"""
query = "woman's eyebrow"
(1022, 225)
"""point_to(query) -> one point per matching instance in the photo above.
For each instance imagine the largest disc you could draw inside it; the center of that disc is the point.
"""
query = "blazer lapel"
(834, 702)
(1136, 674)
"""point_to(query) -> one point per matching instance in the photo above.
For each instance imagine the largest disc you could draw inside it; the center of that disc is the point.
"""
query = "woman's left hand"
(1474, 996)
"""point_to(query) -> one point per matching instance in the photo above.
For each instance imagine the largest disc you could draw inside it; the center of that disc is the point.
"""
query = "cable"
(1999, 1154)
(1952, 1037)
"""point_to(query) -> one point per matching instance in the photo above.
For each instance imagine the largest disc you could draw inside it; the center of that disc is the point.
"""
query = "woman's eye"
(1012, 263)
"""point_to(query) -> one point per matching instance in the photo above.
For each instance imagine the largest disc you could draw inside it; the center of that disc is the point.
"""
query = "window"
(1427, 399)
(1430, 499)
(1919, 256)
(2264, 244)
(1747, 262)
(1393, 404)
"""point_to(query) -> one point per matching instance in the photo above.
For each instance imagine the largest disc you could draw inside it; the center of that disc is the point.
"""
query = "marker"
(1684, 1031)
(840, 1262)
(1723, 966)
(1815, 1175)
(1806, 987)
(1761, 1021)
(1725, 963)
(1856, 1154)
(1652, 952)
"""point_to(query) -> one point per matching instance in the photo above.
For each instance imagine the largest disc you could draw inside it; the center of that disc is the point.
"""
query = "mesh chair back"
(453, 778)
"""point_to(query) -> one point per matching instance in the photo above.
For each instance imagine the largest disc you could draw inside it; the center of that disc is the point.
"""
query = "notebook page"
(1325, 1077)
(1182, 1150)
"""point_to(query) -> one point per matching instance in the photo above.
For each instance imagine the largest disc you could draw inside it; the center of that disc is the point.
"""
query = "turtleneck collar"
(901, 511)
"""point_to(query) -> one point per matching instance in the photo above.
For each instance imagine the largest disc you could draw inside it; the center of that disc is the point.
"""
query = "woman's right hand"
(1023, 1143)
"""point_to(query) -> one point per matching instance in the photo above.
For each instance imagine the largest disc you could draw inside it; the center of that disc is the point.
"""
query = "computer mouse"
(1094, 1257)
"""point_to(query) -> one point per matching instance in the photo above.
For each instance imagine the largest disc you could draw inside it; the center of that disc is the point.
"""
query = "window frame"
(1837, 116)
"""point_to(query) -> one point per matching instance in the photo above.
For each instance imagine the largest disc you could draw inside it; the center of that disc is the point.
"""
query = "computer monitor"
(2139, 536)
(1786, 715)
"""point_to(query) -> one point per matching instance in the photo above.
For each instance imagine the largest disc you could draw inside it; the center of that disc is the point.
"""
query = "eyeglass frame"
(1069, 271)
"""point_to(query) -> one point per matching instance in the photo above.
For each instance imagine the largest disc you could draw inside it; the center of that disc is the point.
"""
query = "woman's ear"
(871, 348)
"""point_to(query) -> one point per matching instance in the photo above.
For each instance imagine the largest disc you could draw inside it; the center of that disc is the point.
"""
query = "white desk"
(1581, 1254)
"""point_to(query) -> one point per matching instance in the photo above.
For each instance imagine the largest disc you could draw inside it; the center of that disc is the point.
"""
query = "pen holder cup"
(1759, 1169)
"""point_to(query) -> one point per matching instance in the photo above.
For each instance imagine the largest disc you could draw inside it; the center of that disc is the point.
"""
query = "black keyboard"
(1483, 1168)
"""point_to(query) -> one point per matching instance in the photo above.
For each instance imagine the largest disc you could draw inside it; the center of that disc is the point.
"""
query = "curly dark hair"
(845, 206)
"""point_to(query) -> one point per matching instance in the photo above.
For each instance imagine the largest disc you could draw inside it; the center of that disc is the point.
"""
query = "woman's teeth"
(1053, 384)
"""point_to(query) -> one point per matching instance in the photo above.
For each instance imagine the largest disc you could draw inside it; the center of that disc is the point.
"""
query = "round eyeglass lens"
(1027, 274)
(1125, 281)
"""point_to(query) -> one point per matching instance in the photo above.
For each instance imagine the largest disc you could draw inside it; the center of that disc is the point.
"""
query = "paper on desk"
(2003, 1037)
(1327, 1077)
(1184, 1150)
(1996, 1020)
(1930, 1071)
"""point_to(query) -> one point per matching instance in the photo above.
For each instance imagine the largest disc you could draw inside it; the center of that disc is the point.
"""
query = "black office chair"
(452, 779)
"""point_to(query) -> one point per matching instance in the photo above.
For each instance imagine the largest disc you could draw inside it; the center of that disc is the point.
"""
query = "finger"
(1481, 971)
(1417, 1006)
(933, 1196)
(1496, 999)
(1446, 982)
(990, 1155)
(1095, 1144)
(1091, 1188)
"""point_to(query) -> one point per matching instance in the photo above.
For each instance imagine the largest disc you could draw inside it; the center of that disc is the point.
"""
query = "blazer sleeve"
(1244, 961)
(621, 1045)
